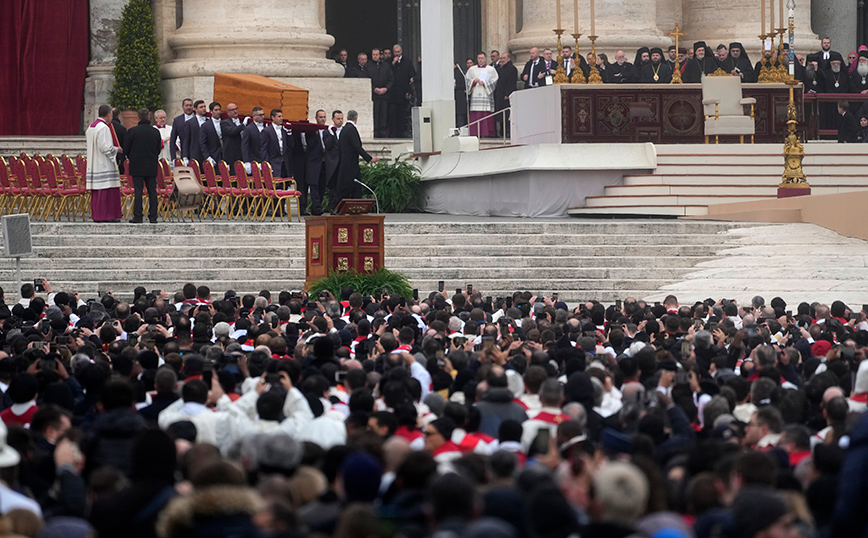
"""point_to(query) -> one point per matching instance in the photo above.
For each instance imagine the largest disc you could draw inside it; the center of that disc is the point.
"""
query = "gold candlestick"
(594, 76)
(676, 73)
(578, 75)
(793, 180)
(560, 72)
(764, 72)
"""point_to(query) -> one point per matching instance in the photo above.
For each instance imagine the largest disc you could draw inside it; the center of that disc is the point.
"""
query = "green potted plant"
(396, 183)
(137, 63)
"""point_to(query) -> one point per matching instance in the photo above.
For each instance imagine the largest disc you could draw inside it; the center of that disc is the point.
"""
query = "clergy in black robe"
(622, 71)
(813, 77)
(702, 63)
(837, 79)
(643, 58)
(656, 71)
(460, 97)
(859, 76)
(738, 64)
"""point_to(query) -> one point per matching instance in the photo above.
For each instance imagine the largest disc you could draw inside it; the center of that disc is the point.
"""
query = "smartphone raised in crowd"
(415, 294)
(39, 285)
(440, 286)
(469, 289)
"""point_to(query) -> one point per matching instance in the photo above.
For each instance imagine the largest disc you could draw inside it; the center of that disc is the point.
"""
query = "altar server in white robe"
(165, 135)
(481, 82)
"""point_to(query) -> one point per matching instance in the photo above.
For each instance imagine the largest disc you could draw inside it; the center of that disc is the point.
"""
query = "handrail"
(504, 111)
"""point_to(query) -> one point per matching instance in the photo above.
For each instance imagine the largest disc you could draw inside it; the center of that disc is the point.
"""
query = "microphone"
(372, 192)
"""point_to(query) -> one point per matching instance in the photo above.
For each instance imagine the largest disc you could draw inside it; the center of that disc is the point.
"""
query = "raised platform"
(540, 180)
(580, 259)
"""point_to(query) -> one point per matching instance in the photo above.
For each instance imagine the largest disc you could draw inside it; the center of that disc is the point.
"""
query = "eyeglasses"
(231, 109)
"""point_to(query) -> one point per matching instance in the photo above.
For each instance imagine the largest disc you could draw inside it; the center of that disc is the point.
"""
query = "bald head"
(832, 392)
(620, 57)
(534, 53)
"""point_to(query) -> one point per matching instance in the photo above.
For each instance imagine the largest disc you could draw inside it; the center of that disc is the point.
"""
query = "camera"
(39, 285)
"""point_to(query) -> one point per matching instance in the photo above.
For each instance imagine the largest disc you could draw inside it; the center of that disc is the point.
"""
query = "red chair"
(18, 182)
(277, 197)
(216, 195)
(128, 192)
(37, 198)
(164, 191)
(57, 196)
(244, 195)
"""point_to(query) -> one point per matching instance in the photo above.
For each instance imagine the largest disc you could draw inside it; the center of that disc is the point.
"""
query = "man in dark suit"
(534, 73)
(178, 126)
(506, 81)
(317, 172)
(120, 131)
(232, 127)
(142, 146)
(403, 74)
(333, 156)
(297, 164)
(360, 70)
(211, 135)
(190, 147)
(277, 145)
(848, 128)
(252, 145)
(381, 82)
(351, 149)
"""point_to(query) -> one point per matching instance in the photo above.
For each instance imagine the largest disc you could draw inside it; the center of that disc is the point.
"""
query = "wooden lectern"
(342, 242)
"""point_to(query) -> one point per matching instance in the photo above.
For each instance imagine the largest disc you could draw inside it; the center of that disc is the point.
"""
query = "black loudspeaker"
(16, 236)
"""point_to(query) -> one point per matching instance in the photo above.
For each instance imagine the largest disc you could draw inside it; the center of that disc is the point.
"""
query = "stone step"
(668, 200)
(720, 190)
(761, 169)
(812, 147)
(404, 262)
(181, 273)
(494, 251)
(639, 210)
(771, 179)
(466, 240)
(420, 230)
(764, 159)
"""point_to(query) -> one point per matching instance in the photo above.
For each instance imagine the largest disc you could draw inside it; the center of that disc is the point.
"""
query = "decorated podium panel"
(343, 242)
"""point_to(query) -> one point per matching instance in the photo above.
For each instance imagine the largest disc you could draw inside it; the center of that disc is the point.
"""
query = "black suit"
(351, 149)
(532, 70)
(297, 164)
(190, 148)
(381, 77)
(826, 64)
(399, 102)
(280, 163)
(320, 167)
(848, 129)
(357, 71)
(210, 143)
(177, 133)
(506, 81)
(142, 146)
(252, 144)
(231, 140)
(621, 74)
(120, 131)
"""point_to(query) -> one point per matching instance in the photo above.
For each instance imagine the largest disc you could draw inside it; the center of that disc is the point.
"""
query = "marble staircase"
(689, 178)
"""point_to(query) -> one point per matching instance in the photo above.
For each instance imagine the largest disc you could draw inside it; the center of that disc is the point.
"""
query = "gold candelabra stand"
(676, 73)
(783, 73)
(594, 76)
(578, 76)
(560, 72)
(793, 176)
(766, 72)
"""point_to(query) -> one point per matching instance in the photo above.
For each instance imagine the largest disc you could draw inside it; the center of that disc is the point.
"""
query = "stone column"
(105, 20)
(739, 20)
(627, 25)
(273, 38)
(496, 24)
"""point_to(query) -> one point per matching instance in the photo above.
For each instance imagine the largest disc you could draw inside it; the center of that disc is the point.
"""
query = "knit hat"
(222, 329)
(361, 474)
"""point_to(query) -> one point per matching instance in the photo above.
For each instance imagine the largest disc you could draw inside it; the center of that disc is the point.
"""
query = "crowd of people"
(320, 158)
(455, 415)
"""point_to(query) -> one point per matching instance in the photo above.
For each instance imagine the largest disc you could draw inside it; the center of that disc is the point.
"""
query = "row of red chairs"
(51, 187)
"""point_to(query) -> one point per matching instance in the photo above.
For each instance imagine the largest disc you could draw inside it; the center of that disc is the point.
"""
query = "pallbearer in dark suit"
(318, 170)
(232, 127)
(277, 145)
(350, 150)
(252, 146)
(333, 157)
(142, 146)
(211, 135)
(190, 148)
(178, 127)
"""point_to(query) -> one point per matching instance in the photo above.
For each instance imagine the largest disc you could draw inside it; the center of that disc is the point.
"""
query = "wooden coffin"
(248, 91)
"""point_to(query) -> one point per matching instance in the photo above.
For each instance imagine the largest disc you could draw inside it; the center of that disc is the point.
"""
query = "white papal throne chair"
(723, 107)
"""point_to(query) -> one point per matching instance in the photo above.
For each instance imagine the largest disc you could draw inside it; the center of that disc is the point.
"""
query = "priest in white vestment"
(165, 135)
(481, 80)
(102, 178)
